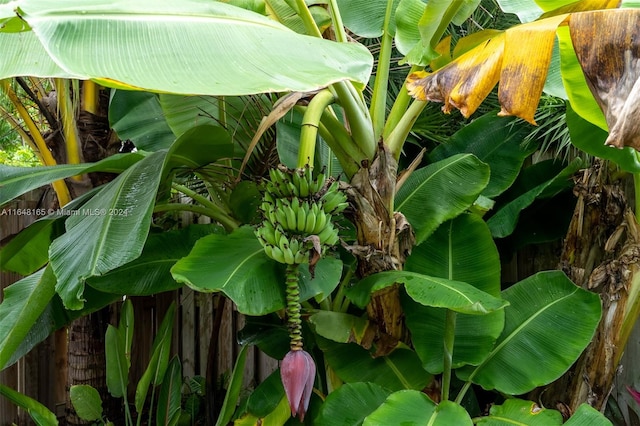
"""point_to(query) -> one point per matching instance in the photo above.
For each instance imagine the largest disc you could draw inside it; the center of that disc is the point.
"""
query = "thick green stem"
(399, 107)
(349, 165)
(357, 115)
(336, 18)
(294, 320)
(397, 137)
(310, 121)
(341, 143)
(451, 12)
(449, 339)
(378, 107)
(307, 19)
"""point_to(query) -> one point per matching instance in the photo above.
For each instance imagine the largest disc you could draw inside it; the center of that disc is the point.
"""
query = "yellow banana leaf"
(519, 58)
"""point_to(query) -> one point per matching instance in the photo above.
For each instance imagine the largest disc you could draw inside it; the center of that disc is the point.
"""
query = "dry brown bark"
(601, 254)
(385, 239)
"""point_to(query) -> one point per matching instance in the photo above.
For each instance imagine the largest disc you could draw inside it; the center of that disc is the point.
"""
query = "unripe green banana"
(292, 220)
(303, 182)
(280, 218)
(317, 183)
(283, 242)
(301, 218)
(294, 244)
(329, 233)
(311, 222)
(333, 239)
(268, 233)
(278, 235)
(340, 207)
(301, 257)
(277, 254)
(321, 221)
(289, 257)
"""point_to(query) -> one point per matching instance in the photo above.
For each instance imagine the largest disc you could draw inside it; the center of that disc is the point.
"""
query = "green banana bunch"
(296, 206)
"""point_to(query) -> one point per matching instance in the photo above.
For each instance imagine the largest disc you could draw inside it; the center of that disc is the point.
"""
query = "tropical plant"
(417, 263)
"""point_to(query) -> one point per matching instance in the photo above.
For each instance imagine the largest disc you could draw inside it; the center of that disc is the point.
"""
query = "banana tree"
(324, 81)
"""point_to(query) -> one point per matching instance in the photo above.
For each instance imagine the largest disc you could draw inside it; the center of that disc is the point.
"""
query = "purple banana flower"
(298, 372)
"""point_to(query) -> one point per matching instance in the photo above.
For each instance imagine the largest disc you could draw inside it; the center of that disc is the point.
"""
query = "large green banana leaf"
(237, 265)
(15, 181)
(410, 407)
(150, 273)
(462, 177)
(109, 231)
(548, 324)
(23, 303)
(461, 249)
(189, 47)
(351, 403)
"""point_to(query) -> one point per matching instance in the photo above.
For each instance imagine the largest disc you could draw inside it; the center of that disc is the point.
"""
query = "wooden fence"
(42, 374)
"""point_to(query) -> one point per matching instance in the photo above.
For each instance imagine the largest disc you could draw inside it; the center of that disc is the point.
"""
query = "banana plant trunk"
(385, 239)
(601, 254)
(87, 362)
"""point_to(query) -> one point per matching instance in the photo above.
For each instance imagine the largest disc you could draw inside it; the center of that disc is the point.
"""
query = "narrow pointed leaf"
(462, 177)
(169, 399)
(116, 361)
(536, 303)
(125, 328)
(429, 291)
(351, 403)
(40, 414)
(111, 231)
(144, 31)
(462, 249)
(23, 302)
(411, 407)
(233, 391)
(157, 366)
(517, 411)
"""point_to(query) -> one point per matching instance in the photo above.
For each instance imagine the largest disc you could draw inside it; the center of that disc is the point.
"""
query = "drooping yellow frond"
(524, 71)
(518, 58)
